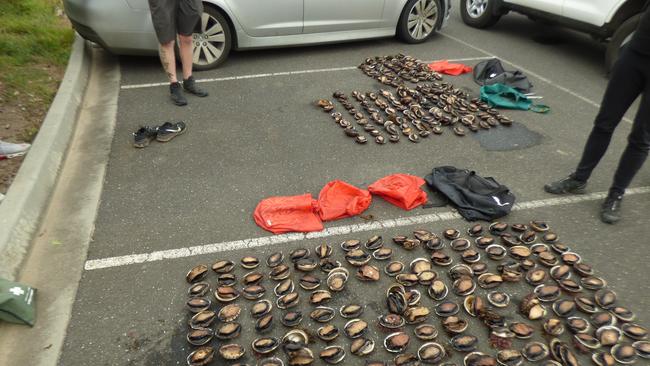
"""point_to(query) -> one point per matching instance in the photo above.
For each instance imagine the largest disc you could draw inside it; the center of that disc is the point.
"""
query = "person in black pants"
(630, 78)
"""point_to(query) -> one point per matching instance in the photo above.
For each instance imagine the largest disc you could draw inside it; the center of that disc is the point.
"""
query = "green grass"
(34, 38)
(29, 134)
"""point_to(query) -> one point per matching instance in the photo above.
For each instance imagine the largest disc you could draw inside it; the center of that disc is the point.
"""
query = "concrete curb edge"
(29, 195)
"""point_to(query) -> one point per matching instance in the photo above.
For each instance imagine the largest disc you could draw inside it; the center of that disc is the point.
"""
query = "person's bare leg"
(168, 60)
(186, 59)
(186, 55)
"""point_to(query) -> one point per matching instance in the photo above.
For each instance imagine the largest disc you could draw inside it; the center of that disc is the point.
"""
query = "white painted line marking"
(462, 59)
(275, 74)
(328, 232)
(534, 74)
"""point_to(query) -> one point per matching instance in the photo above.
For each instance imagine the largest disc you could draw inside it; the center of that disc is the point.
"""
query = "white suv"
(607, 20)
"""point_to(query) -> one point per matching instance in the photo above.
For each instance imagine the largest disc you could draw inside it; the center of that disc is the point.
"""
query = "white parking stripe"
(328, 232)
(275, 74)
(463, 59)
(534, 74)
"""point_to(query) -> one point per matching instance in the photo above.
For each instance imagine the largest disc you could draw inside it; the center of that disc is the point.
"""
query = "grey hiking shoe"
(176, 94)
(610, 213)
(189, 85)
(566, 185)
(9, 150)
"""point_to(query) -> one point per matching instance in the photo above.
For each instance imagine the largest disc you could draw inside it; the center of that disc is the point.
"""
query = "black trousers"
(630, 77)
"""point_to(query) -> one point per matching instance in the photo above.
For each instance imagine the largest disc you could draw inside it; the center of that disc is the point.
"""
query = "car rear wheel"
(478, 13)
(619, 40)
(419, 20)
(212, 41)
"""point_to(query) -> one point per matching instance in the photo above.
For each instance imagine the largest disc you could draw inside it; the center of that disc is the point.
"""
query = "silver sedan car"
(124, 26)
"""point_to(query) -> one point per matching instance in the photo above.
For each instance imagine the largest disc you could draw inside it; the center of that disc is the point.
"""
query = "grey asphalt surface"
(262, 137)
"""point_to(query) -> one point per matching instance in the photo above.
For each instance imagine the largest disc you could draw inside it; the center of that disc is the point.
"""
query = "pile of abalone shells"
(455, 279)
(416, 113)
(395, 70)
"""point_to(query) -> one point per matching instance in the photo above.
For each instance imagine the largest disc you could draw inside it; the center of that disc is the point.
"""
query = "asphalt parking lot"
(259, 135)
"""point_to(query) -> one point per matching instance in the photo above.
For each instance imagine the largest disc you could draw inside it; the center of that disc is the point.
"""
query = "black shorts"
(171, 17)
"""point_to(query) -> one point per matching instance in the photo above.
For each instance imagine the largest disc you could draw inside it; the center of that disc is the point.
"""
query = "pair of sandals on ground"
(163, 133)
(169, 130)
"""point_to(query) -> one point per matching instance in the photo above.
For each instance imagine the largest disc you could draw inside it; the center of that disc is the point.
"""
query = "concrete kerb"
(30, 192)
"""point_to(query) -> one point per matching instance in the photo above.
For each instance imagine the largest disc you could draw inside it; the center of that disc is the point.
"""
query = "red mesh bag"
(402, 190)
(339, 199)
(288, 213)
(445, 67)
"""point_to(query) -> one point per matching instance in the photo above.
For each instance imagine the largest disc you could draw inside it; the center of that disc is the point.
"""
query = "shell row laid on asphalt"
(415, 113)
(565, 300)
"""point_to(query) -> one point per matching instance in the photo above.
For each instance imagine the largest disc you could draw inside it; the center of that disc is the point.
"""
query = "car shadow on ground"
(572, 45)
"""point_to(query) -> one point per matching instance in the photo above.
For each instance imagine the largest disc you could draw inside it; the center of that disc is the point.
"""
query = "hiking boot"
(143, 136)
(170, 130)
(189, 85)
(566, 185)
(177, 94)
(610, 213)
(9, 150)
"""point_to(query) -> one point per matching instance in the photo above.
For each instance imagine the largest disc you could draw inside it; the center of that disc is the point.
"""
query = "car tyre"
(212, 41)
(619, 40)
(479, 13)
(425, 19)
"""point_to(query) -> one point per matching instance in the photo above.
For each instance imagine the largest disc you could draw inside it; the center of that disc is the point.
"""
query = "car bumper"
(95, 20)
(87, 32)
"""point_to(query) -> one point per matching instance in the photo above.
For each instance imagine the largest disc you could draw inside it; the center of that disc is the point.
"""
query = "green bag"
(17, 302)
(503, 96)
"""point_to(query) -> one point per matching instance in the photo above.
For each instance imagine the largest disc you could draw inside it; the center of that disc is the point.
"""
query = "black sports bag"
(475, 197)
(491, 71)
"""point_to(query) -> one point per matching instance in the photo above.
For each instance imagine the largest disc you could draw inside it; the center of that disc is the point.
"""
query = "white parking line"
(534, 74)
(328, 232)
(275, 74)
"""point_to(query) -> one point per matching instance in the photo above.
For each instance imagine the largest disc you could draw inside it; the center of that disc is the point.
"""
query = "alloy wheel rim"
(208, 45)
(476, 8)
(422, 18)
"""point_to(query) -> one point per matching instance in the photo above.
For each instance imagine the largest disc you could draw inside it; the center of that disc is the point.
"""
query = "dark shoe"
(189, 85)
(610, 213)
(566, 185)
(170, 130)
(177, 94)
(143, 136)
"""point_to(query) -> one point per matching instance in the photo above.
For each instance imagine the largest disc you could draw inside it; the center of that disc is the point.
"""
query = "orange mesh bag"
(339, 199)
(445, 67)
(402, 190)
(288, 214)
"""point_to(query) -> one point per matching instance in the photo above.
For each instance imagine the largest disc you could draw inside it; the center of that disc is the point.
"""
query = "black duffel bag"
(491, 71)
(475, 197)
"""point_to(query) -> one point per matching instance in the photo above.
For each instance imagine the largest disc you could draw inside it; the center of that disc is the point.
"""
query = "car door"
(593, 12)
(264, 18)
(548, 6)
(342, 15)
